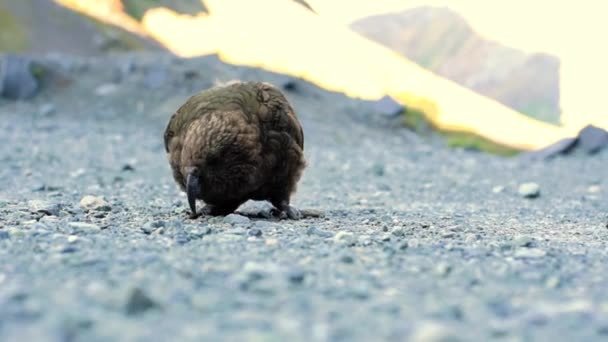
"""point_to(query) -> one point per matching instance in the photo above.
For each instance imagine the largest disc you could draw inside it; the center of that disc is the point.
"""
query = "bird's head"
(171, 130)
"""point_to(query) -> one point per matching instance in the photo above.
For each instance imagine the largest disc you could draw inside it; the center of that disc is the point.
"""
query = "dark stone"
(319, 232)
(388, 106)
(296, 276)
(592, 139)
(16, 79)
(191, 74)
(291, 86)
(68, 249)
(347, 259)
(4, 235)
(128, 167)
(254, 232)
(139, 302)
(561, 147)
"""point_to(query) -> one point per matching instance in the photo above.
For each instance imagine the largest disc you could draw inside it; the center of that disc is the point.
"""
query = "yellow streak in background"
(574, 31)
(103, 11)
(283, 37)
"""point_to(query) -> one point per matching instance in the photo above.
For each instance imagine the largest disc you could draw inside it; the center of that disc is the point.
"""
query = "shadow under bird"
(233, 143)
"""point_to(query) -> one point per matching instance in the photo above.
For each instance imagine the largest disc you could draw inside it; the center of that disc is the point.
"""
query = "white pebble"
(94, 203)
(344, 238)
(529, 190)
(530, 253)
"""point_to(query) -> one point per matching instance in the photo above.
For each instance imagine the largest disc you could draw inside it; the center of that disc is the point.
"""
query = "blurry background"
(519, 74)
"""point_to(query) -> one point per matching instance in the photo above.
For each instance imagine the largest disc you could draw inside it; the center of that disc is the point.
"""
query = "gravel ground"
(418, 242)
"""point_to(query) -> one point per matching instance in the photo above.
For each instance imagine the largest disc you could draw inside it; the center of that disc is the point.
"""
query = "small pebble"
(434, 332)
(254, 271)
(73, 238)
(66, 249)
(319, 232)
(94, 203)
(470, 238)
(47, 109)
(78, 173)
(448, 235)
(523, 241)
(83, 226)
(296, 276)
(44, 207)
(347, 259)
(594, 189)
(443, 269)
(235, 219)
(182, 238)
(530, 253)
(498, 189)
(529, 190)
(237, 231)
(365, 240)
(398, 231)
(15, 232)
(198, 233)
(49, 220)
(4, 235)
(344, 238)
(360, 291)
(159, 231)
(552, 282)
(139, 302)
(378, 169)
(403, 245)
(150, 227)
(106, 89)
(272, 242)
(128, 167)
(256, 232)
(413, 243)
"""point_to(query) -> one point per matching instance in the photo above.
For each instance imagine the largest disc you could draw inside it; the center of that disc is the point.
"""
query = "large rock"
(442, 41)
(388, 106)
(16, 79)
(592, 139)
(562, 147)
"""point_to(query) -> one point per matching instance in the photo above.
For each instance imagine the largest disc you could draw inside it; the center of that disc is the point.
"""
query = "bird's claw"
(291, 213)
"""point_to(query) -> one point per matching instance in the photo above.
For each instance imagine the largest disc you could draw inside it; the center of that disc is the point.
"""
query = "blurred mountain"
(43, 26)
(441, 40)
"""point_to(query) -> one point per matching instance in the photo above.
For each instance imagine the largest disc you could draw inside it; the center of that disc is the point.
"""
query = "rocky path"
(418, 242)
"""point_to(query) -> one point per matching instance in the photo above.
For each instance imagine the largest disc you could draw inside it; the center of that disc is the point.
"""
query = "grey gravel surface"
(417, 242)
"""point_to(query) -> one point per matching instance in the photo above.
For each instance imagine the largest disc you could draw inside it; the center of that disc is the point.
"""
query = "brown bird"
(233, 143)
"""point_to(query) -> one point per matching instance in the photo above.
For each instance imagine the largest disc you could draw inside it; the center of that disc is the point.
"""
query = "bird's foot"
(208, 210)
(269, 213)
(194, 216)
(287, 211)
(293, 213)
